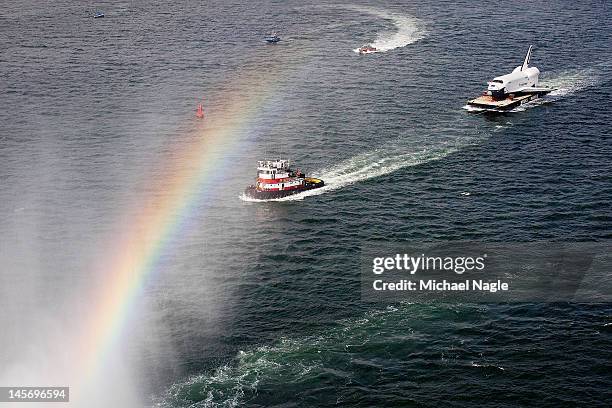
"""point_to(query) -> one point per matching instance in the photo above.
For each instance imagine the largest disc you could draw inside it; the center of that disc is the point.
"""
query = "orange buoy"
(199, 112)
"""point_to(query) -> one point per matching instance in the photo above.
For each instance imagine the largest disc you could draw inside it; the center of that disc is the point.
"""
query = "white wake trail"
(571, 81)
(407, 29)
(564, 83)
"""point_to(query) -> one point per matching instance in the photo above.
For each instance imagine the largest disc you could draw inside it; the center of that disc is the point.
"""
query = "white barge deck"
(512, 101)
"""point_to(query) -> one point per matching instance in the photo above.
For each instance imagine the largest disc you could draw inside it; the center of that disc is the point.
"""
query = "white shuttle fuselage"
(520, 80)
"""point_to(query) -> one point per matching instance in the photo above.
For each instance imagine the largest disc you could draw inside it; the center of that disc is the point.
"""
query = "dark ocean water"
(258, 304)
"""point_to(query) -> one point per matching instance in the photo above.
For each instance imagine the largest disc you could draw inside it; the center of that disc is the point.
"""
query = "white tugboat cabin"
(275, 175)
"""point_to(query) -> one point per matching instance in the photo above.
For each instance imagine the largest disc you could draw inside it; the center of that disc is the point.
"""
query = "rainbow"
(134, 255)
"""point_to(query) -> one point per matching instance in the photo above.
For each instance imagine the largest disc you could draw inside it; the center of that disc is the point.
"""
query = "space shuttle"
(522, 80)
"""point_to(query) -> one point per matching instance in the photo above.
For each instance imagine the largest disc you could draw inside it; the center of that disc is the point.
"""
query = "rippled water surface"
(257, 303)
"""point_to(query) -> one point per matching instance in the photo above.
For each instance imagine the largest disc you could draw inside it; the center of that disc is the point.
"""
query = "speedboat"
(99, 14)
(276, 179)
(272, 38)
(367, 49)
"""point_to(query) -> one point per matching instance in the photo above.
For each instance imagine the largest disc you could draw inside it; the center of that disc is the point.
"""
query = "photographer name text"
(433, 285)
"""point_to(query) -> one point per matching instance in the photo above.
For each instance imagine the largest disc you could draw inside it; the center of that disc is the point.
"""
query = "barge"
(510, 102)
(508, 91)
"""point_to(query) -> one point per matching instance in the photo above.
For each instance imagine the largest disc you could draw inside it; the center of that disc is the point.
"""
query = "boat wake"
(569, 82)
(300, 360)
(564, 84)
(407, 29)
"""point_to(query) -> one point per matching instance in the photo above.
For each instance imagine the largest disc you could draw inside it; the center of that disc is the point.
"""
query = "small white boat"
(272, 38)
(367, 49)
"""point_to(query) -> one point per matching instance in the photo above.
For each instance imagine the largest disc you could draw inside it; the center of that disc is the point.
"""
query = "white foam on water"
(407, 29)
(570, 81)
(500, 368)
(471, 108)
(287, 360)
(564, 83)
(228, 384)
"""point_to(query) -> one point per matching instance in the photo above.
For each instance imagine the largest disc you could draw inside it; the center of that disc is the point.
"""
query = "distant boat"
(367, 49)
(272, 38)
(200, 112)
(99, 14)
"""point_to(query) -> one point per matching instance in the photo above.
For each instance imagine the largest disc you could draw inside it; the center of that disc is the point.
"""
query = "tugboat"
(367, 49)
(272, 38)
(276, 179)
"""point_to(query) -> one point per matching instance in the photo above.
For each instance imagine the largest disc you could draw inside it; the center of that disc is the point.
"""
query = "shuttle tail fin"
(527, 58)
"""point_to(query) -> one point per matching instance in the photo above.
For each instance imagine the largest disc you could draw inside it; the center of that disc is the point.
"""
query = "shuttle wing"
(534, 90)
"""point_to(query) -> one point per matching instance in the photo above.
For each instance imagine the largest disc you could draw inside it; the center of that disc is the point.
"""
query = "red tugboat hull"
(255, 193)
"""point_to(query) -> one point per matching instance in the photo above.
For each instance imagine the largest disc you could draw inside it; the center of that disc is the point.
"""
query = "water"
(257, 304)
